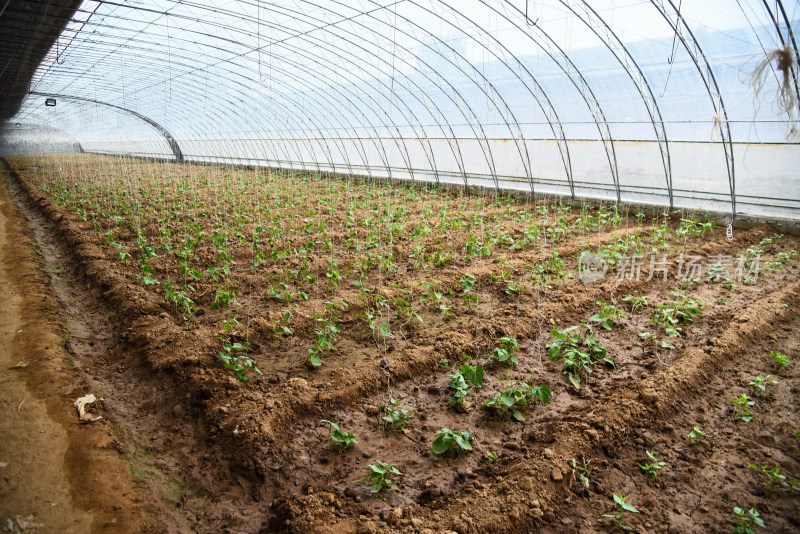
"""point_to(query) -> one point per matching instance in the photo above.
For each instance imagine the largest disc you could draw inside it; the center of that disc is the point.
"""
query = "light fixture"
(50, 102)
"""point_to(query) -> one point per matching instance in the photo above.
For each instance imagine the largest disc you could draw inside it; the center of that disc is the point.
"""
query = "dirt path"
(55, 475)
(35, 489)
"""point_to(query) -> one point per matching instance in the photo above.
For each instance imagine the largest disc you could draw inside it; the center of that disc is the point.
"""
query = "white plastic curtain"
(667, 102)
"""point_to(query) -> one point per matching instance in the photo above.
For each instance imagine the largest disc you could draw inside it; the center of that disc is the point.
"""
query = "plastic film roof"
(679, 103)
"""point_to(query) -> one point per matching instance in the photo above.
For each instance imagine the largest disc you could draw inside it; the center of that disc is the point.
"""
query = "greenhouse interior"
(424, 266)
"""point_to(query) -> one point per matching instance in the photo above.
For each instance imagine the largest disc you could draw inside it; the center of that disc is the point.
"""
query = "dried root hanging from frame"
(786, 100)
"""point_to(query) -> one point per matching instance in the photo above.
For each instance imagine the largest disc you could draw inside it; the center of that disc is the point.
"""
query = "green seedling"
(651, 468)
(470, 300)
(781, 361)
(473, 374)
(337, 438)
(609, 315)
(490, 457)
(773, 478)
(232, 323)
(717, 273)
(234, 356)
(179, 298)
(637, 301)
(741, 408)
(623, 507)
(785, 257)
(760, 384)
(579, 351)
(282, 326)
(395, 416)
(467, 281)
(463, 380)
(446, 440)
(325, 334)
(744, 522)
(648, 338)
(513, 288)
(688, 283)
(729, 285)
(381, 476)
(670, 314)
(223, 297)
(505, 352)
(458, 383)
(122, 256)
(332, 273)
(581, 470)
(515, 395)
(691, 227)
(696, 433)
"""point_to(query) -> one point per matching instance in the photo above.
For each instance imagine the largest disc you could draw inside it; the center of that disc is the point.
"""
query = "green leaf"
(384, 330)
(625, 506)
(440, 446)
(508, 398)
(671, 332)
(463, 438)
(542, 393)
(575, 380)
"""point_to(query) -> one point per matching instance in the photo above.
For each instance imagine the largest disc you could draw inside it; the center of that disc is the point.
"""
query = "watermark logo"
(715, 268)
(591, 267)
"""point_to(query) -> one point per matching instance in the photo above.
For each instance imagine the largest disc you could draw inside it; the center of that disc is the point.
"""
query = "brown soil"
(57, 476)
(220, 455)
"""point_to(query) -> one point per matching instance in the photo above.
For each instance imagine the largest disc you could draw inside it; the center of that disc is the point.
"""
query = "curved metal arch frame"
(429, 153)
(173, 144)
(725, 129)
(482, 140)
(522, 148)
(622, 54)
(232, 107)
(452, 137)
(582, 86)
(235, 108)
(484, 83)
(559, 135)
(242, 103)
(88, 114)
(385, 125)
(124, 106)
(455, 148)
(488, 150)
(695, 55)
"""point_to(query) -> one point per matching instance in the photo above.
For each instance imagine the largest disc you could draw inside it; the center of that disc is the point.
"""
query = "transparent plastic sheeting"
(643, 101)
